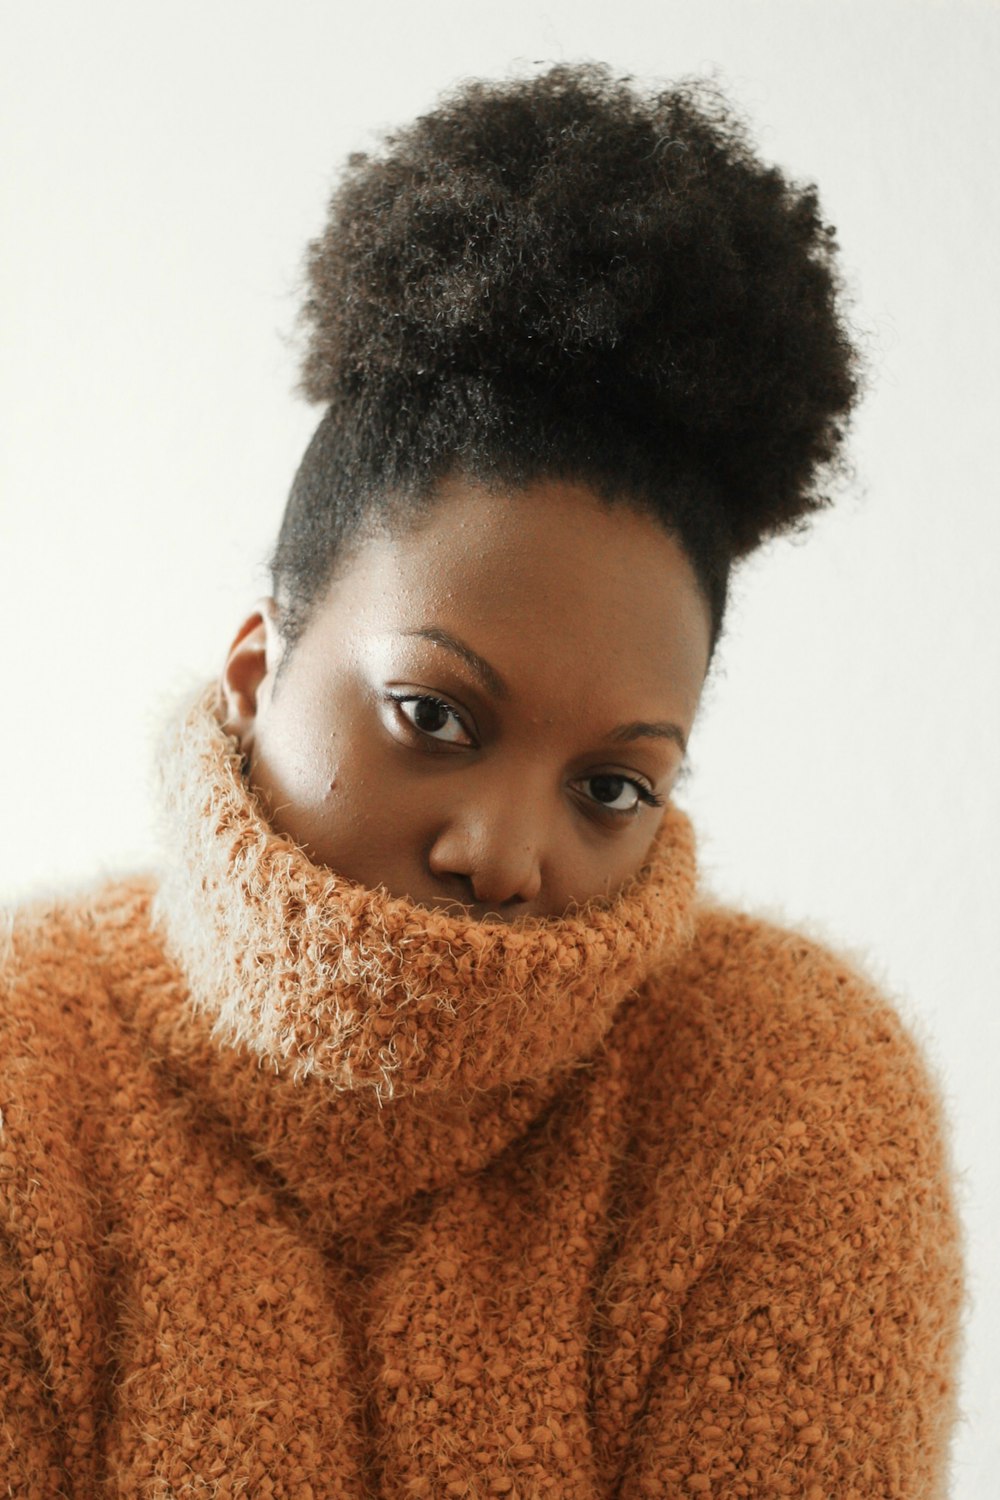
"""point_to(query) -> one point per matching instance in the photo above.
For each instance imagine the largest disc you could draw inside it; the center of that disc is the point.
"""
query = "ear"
(249, 671)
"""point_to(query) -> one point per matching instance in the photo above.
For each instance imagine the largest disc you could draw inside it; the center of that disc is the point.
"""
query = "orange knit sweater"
(309, 1192)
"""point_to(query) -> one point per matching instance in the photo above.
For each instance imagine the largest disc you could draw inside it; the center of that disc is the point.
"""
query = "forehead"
(549, 580)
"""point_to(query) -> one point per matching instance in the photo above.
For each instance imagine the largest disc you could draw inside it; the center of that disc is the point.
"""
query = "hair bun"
(619, 260)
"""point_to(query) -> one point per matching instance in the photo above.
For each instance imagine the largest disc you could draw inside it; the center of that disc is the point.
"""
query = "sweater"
(310, 1192)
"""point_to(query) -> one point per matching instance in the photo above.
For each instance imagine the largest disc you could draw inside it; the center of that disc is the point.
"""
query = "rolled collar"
(327, 977)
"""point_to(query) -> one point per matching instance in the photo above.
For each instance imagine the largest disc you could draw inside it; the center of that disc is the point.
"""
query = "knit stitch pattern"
(309, 1193)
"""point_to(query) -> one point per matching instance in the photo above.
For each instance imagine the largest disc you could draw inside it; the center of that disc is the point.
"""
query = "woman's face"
(487, 708)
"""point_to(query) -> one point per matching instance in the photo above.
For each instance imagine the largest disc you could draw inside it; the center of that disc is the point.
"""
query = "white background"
(164, 167)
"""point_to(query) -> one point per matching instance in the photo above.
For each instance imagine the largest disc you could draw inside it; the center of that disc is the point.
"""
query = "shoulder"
(782, 1004)
(763, 1032)
(51, 950)
(59, 1028)
(787, 1138)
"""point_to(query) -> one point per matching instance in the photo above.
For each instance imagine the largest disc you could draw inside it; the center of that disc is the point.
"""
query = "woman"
(420, 1129)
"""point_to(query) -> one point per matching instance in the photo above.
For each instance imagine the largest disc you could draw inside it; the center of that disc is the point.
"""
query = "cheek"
(294, 758)
(604, 868)
(293, 754)
(335, 782)
(372, 825)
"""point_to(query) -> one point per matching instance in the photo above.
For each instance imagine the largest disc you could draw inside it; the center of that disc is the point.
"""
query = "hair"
(565, 277)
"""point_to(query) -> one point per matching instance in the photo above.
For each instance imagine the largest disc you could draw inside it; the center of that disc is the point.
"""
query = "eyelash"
(647, 797)
(425, 734)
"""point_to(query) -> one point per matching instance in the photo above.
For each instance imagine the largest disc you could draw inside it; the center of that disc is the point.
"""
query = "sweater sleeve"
(30, 1441)
(814, 1351)
(46, 1206)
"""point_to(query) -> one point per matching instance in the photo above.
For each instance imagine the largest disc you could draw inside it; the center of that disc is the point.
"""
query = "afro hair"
(563, 275)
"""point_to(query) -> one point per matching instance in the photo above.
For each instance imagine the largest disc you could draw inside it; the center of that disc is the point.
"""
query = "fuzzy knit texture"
(309, 1192)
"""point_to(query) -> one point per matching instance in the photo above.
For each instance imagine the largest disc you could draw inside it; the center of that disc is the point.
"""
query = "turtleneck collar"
(354, 1049)
(369, 992)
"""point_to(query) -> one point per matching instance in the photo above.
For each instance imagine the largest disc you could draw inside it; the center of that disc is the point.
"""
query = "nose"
(495, 856)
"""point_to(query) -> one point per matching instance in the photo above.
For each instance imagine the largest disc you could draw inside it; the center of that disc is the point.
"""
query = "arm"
(815, 1354)
(30, 1442)
(46, 1207)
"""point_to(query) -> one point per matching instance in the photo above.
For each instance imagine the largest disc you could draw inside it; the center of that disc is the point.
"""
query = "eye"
(433, 718)
(621, 794)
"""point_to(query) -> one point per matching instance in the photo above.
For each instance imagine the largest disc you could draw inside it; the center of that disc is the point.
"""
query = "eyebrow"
(638, 729)
(487, 675)
(660, 729)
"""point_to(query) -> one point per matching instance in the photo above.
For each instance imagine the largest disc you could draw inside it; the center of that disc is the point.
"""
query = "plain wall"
(163, 169)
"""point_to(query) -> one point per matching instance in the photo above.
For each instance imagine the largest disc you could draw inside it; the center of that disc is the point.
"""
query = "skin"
(500, 798)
